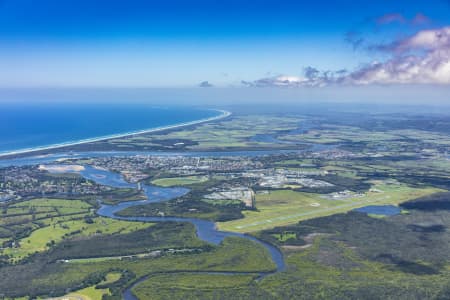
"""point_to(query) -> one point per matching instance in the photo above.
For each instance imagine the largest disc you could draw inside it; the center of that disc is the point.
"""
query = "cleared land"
(329, 254)
(177, 181)
(235, 132)
(52, 220)
(285, 207)
(92, 292)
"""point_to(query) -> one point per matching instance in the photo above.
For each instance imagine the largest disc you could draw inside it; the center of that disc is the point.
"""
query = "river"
(206, 230)
(41, 159)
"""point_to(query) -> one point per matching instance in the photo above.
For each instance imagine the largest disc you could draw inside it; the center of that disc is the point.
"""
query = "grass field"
(179, 181)
(286, 207)
(234, 132)
(92, 293)
(335, 134)
(59, 203)
(56, 231)
(59, 219)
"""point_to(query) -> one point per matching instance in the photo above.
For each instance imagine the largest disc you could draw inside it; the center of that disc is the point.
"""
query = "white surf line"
(223, 114)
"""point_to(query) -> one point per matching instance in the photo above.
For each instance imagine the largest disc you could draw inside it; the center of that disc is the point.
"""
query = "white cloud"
(426, 39)
(423, 58)
(420, 59)
(277, 81)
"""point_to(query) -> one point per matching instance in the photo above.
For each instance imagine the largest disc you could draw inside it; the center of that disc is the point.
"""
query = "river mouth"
(51, 158)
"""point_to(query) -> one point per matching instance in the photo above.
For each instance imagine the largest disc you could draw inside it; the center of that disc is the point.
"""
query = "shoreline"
(223, 114)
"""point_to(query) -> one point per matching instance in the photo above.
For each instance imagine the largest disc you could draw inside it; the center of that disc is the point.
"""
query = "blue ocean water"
(24, 126)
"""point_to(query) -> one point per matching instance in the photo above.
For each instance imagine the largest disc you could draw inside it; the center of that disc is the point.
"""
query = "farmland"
(301, 202)
(50, 221)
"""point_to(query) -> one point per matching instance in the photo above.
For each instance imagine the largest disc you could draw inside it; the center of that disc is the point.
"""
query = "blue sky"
(76, 43)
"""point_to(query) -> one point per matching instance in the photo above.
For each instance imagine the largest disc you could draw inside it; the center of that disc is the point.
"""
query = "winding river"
(206, 230)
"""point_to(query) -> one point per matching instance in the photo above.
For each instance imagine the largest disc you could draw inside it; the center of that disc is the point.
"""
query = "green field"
(92, 292)
(234, 132)
(53, 220)
(335, 134)
(54, 203)
(57, 230)
(285, 207)
(179, 181)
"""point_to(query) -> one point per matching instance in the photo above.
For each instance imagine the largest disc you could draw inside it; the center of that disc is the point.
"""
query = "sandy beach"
(61, 168)
(223, 114)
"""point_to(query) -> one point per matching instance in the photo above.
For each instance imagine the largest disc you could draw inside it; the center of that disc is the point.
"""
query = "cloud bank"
(423, 58)
(420, 59)
(205, 84)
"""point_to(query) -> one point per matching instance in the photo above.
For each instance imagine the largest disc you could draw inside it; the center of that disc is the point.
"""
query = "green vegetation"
(47, 277)
(236, 132)
(283, 207)
(55, 247)
(343, 256)
(348, 256)
(191, 285)
(58, 230)
(20, 220)
(189, 209)
(285, 236)
(329, 270)
(223, 202)
(36, 225)
(179, 181)
(192, 205)
(120, 195)
(94, 292)
(233, 133)
(158, 236)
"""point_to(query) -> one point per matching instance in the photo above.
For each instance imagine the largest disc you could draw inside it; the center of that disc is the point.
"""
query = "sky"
(224, 43)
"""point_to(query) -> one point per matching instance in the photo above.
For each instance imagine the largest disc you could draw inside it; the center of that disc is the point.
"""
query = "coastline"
(223, 114)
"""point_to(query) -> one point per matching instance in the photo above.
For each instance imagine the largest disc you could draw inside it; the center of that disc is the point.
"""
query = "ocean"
(28, 126)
